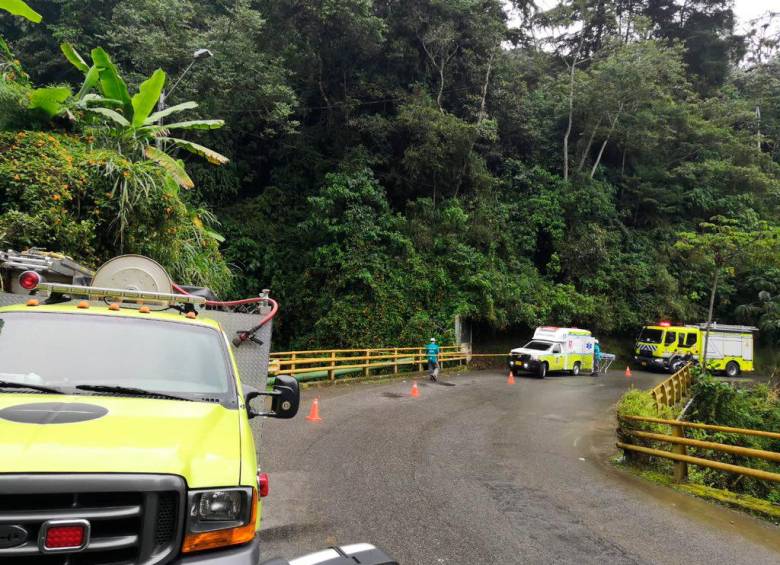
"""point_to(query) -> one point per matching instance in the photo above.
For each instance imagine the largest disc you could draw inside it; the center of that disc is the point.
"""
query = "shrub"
(640, 403)
(57, 192)
(720, 403)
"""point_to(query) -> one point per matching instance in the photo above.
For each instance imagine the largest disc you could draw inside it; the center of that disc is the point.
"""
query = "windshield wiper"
(39, 388)
(129, 391)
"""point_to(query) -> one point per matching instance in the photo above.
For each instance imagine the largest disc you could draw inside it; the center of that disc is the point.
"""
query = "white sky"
(745, 10)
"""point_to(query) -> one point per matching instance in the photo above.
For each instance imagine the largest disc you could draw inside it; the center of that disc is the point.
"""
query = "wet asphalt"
(484, 472)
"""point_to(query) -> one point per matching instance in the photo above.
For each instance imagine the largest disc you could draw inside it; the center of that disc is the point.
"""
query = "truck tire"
(576, 369)
(675, 364)
(543, 370)
(732, 369)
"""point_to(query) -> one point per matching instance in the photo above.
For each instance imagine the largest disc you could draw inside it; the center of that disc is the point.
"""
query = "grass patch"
(744, 502)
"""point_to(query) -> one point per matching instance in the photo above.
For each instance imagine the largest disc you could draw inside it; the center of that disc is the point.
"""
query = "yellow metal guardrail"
(330, 363)
(680, 445)
(674, 389)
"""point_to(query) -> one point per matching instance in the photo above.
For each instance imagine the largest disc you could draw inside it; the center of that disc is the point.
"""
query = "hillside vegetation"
(395, 164)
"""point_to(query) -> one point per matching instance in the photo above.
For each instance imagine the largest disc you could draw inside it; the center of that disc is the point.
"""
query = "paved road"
(485, 473)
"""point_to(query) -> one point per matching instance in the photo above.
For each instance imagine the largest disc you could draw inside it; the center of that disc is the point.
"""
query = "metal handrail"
(708, 427)
(330, 362)
(680, 443)
(673, 390)
(358, 350)
(683, 460)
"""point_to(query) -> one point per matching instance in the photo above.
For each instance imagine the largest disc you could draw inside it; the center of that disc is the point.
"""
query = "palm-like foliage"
(20, 8)
(131, 120)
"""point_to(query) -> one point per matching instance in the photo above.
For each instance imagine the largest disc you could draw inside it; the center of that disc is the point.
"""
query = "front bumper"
(248, 554)
(651, 362)
(523, 365)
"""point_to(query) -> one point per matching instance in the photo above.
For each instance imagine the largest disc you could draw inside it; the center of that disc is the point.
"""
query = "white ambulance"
(554, 349)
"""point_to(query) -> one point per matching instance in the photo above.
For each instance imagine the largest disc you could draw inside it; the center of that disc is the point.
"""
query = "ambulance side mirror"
(285, 399)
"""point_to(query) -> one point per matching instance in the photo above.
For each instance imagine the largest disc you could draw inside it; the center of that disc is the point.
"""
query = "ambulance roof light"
(665, 324)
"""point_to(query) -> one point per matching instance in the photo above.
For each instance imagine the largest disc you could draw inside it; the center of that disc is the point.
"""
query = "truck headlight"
(218, 506)
(219, 518)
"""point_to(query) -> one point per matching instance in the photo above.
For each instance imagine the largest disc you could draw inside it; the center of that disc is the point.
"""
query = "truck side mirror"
(285, 399)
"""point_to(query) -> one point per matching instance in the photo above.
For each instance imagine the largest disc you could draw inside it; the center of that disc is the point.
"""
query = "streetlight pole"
(196, 56)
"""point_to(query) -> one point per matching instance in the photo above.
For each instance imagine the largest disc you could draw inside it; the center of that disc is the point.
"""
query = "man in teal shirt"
(596, 357)
(432, 349)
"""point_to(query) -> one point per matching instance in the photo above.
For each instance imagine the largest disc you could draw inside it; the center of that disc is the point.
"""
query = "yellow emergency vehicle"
(124, 425)
(668, 347)
(554, 349)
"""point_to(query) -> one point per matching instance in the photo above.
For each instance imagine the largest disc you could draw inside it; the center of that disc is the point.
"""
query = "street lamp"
(196, 56)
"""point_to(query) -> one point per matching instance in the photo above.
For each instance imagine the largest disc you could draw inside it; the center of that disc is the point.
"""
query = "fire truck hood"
(199, 441)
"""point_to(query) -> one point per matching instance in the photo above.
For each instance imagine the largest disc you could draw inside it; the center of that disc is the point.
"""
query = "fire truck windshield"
(648, 335)
(64, 351)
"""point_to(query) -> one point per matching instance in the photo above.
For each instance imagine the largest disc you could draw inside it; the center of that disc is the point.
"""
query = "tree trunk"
(321, 85)
(482, 112)
(623, 164)
(604, 145)
(587, 148)
(709, 317)
(568, 127)
(571, 110)
(441, 88)
(480, 118)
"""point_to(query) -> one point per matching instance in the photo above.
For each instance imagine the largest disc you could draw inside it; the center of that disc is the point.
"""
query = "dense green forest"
(393, 164)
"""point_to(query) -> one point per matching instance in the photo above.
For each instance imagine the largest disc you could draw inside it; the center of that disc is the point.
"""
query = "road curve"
(483, 472)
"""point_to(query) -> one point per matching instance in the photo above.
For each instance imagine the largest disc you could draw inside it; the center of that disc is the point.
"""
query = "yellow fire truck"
(125, 428)
(668, 347)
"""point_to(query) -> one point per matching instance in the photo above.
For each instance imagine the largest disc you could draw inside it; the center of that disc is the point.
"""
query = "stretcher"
(606, 362)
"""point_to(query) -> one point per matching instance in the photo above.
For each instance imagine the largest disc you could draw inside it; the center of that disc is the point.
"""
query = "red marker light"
(61, 537)
(263, 486)
(664, 324)
(29, 280)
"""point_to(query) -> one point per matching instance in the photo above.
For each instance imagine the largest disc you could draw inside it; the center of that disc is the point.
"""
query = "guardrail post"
(332, 371)
(292, 365)
(395, 361)
(680, 467)
(367, 361)
(419, 359)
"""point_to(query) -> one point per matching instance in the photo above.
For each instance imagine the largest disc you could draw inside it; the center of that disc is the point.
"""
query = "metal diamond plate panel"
(7, 299)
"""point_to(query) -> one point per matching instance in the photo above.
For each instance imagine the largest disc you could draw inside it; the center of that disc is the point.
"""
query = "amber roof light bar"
(120, 295)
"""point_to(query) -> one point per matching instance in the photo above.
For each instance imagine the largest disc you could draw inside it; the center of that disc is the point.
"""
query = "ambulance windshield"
(648, 335)
(538, 345)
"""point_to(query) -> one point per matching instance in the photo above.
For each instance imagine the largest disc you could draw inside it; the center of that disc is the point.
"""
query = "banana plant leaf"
(171, 165)
(74, 58)
(154, 118)
(92, 99)
(20, 8)
(111, 84)
(209, 154)
(49, 100)
(111, 114)
(197, 124)
(146, 98)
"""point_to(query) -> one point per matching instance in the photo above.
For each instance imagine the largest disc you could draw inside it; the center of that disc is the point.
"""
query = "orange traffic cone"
(510, 380)
(628, 372)
(314, 413)
(415, 390)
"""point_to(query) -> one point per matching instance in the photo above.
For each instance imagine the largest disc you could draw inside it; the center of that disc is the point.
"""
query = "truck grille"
(133, 518)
